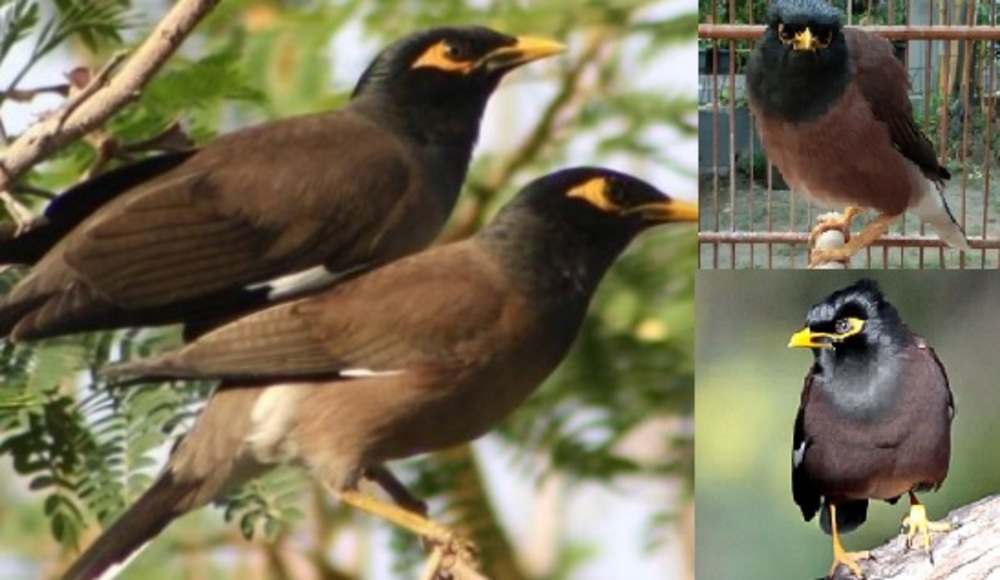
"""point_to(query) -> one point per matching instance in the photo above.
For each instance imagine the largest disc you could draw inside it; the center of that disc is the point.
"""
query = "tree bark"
(970, 551)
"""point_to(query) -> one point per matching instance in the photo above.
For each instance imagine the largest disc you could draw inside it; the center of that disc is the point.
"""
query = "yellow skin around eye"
(594, 191)
(806, 338)
(437, 57)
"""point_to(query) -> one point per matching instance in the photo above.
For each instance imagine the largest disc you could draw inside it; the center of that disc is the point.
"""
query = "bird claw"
(850, 560)
(917, 524)
(449, 552)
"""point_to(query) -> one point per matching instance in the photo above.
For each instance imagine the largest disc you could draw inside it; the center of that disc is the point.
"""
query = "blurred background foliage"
(611, 431)
(748, 391)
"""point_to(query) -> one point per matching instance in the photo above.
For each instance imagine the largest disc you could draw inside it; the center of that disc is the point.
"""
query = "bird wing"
(77, 203)
(944, 375)
(252, 205)
(884, 84)
(803, 492)
(428, 310)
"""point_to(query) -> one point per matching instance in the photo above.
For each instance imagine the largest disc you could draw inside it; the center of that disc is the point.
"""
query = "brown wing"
(883, 81)
(249, 206)
(423, 310)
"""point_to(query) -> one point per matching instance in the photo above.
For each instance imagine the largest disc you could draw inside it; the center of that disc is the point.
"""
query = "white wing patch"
(799, 454)
(303, 282)
(367, 373)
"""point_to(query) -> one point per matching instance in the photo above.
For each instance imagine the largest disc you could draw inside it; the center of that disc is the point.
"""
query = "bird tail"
(934, 210)
(850, 515)
(131, 532)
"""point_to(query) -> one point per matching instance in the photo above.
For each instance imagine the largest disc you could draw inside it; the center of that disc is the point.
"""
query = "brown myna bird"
(200, 234)
(424, 353)
(833, 113)
(875, 417)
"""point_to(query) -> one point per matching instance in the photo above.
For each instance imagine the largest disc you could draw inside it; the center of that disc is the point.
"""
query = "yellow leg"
(917, 523)
(868, 235)
(841, 556)
(449, 546)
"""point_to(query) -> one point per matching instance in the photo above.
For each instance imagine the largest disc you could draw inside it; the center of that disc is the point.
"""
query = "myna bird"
(425, 353)
(200, 234)
(834, 116)
(875, 417)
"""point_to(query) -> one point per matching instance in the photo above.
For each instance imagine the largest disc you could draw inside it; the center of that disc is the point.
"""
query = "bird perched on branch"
(834, 116)
(205, 233)
(875, 417)
(427, 352)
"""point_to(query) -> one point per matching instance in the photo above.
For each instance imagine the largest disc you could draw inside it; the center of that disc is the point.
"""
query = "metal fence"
(751, 220)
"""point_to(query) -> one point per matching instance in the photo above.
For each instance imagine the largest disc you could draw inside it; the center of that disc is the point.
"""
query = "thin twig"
(51, 134)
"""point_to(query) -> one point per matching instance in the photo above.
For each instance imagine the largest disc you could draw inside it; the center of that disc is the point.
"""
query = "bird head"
(451, 69)
(852, 319)
(803, 27)
(602, 202)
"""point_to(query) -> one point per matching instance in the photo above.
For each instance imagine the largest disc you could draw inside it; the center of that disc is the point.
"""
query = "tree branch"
(970, 550)
(100, 103)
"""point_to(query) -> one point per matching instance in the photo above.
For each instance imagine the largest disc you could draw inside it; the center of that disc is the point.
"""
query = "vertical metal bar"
(991, 58)
(945, 87)
(715, 137)
(906, 67)
(750, 148)
(928, 55)
(732, 136)
(963, 153)
(850, 12)
(892, 11)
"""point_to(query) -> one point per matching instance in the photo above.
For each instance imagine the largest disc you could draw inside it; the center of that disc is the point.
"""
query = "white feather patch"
(272, 419)
(303, 282)
(799, 454)
(366, 373)
(115, 569)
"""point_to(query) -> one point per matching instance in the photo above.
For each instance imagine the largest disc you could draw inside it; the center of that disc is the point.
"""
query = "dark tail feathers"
(850, 515)
(137, 526)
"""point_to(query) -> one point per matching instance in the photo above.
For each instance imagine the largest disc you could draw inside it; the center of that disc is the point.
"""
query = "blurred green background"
(747, 393)
(591, 479)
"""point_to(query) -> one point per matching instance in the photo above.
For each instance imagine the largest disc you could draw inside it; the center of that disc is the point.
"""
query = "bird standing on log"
(874, 420)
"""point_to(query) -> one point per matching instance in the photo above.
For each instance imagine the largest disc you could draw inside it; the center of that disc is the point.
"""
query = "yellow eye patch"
(806, 338)
(439, 56)
(595, 192)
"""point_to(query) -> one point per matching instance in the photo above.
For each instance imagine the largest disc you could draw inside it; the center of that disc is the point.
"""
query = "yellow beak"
(673, 210)
(806, 338)
(805, 40)
(525, 50)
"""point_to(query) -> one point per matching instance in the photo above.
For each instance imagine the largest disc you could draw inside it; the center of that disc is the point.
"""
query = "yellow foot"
(917, 524)
(849, 559)
(450, 550)
(834, 221)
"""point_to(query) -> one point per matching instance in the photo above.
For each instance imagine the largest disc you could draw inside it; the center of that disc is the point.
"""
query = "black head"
(600, 202)
(801, 65)
(853, 319)
(562, 231)
(446, 72)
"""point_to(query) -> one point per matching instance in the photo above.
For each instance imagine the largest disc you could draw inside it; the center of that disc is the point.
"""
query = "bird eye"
(784, 32)
(824, 36)
(455, 52)
(842, 326)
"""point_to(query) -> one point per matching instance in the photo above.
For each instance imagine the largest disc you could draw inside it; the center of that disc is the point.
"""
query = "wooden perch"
(970, 551)
(100, 101)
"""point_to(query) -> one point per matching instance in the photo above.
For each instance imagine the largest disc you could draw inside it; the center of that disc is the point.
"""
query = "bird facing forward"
(874, 420)
(201, 235)
(834, 116)
(425, 353)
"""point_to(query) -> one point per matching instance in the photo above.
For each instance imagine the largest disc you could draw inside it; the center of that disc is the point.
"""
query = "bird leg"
(834, 221)
(841, 556)
(396, 490)
(868, 235)
(917, 523)
(450, 549)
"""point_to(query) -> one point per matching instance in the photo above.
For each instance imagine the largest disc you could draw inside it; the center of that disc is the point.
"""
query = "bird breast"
(845, 157)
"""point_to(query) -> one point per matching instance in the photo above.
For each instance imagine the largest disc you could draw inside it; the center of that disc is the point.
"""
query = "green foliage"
(269, 504)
